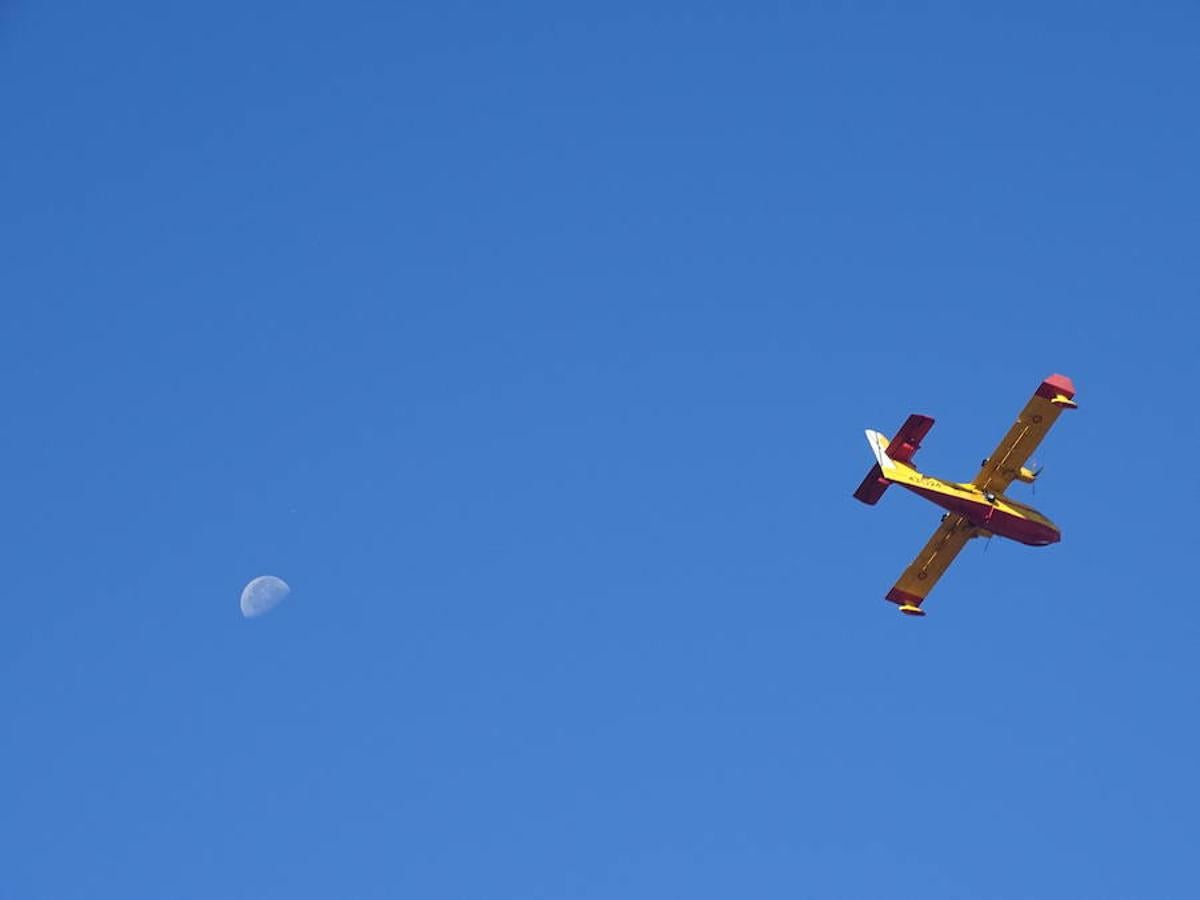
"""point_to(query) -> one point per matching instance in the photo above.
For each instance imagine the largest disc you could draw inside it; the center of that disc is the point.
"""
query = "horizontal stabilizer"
(899, 449)
(908, 439)
(872, 487)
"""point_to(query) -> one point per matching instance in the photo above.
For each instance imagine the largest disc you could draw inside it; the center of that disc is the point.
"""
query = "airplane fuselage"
(993, 513)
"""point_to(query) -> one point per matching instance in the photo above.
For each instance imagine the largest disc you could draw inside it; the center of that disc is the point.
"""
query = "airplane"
(973, 509)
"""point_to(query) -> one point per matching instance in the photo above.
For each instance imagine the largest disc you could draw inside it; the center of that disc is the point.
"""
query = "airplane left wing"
(1053, 395)
(931, 563)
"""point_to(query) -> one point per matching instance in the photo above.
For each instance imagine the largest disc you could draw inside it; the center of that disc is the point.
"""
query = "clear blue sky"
(534, 347)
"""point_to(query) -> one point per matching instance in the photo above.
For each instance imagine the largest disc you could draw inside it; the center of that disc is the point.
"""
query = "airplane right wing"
(1054, 395)
(933, 560)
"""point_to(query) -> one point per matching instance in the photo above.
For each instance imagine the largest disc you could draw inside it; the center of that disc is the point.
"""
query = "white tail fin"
(879, 445)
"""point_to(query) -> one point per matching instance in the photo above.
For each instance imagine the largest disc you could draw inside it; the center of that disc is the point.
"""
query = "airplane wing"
(933, 560)
(1054, 395)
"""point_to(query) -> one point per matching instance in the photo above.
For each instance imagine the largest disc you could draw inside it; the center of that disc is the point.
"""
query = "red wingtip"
(1056, 385)
(904, 598)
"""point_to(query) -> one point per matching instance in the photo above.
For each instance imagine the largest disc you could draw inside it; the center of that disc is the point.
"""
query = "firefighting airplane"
(975, 509)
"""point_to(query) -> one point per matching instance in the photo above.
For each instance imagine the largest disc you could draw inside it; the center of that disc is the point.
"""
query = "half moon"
(263, 594)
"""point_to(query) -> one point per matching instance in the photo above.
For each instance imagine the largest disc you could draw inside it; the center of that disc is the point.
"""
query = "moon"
(263, 594)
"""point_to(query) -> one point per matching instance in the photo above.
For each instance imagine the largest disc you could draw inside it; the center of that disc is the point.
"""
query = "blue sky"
(533, 346)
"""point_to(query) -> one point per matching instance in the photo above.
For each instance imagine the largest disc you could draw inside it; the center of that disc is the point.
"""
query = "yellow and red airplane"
(974, 509)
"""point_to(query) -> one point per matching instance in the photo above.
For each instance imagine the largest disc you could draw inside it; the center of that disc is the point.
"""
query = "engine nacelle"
(1027, 475)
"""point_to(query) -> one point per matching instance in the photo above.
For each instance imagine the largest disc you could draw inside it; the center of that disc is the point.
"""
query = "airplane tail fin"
(876, 482)
(890, 456)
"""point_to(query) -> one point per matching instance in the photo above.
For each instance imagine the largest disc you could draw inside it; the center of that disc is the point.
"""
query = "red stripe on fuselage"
(984, 515)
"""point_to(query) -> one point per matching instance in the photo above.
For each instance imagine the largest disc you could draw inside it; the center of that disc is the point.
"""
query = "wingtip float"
(977, 508)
